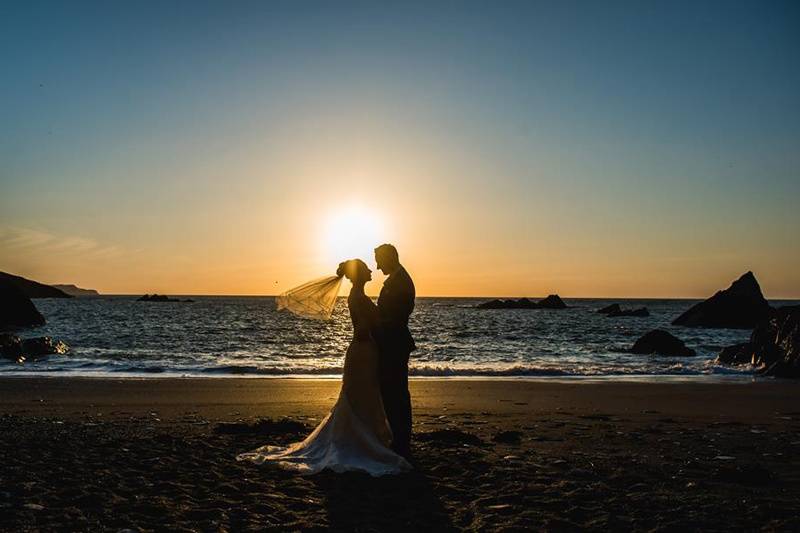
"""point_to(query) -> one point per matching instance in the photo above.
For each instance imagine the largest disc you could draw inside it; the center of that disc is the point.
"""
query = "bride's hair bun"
(351, 268)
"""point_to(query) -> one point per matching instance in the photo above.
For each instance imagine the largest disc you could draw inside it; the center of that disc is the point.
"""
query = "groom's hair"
(388, 251)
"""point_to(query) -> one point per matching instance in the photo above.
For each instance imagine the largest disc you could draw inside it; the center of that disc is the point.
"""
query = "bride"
(355, 435)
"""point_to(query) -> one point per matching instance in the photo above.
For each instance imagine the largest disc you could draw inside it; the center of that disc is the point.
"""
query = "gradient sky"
(580, 148)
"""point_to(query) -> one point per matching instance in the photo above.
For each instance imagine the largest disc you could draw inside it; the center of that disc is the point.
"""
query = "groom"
(395, 304)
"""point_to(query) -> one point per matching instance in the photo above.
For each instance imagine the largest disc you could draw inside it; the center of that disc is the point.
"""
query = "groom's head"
(386, 258)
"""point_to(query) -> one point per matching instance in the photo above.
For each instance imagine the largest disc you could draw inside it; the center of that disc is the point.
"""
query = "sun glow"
(353, 232)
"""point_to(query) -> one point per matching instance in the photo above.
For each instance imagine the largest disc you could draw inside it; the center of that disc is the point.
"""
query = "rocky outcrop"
(21, 350)
(76, 291)
(776, 343)
(738, 354)
(160, 298)
(10, 347)
(32, 289)
(774, 346)
(660, 342)
(607, 310)
(740, 306)
(16, 309)
(522, 303)
(551, 302)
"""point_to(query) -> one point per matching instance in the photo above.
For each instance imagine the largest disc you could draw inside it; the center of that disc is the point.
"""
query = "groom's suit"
(395, 343)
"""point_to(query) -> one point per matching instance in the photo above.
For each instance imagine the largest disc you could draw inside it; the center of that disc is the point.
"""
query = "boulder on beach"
(661, 342)
(16, 309)
(740, 306)
(613, 308)
(551, 302)
(32, 289)
(774, 345)
(21, 350)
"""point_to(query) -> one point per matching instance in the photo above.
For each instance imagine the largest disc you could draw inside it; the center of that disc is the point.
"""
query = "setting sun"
(352, 232)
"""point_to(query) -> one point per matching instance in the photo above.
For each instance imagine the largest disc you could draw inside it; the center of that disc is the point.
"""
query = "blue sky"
(587, 148)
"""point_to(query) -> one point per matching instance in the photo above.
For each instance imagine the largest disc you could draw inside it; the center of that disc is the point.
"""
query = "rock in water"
(161, 298)
(614, 310)
(740, 306)
(736, 355)
(776, 343)
(607, 310)
(11, 347)
(661, 342)
(20, 350)
(16, 309)
(41, 346)
(641, 312)
(522, 303)
(551, 302)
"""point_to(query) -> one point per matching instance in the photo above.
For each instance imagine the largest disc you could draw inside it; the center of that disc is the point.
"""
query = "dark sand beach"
(159, 454)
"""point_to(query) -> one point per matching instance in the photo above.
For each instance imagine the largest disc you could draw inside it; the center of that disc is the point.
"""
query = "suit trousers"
(393, 377)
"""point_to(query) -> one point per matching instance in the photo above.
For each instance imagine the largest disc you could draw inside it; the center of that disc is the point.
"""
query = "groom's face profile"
(386, 258)
(383, 263)
(379, 262)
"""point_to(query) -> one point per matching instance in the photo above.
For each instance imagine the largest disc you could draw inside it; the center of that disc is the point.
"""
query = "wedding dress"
(355, 435)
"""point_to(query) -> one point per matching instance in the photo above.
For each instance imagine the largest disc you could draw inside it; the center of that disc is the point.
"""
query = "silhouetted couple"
(369, 427)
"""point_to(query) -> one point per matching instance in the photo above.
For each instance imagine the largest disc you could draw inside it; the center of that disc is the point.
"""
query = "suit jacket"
(395, 304)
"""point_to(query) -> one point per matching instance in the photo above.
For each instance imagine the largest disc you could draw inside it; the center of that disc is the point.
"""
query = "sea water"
(247, 336)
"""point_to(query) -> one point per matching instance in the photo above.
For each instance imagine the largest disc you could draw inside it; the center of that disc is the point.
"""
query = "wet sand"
(155, 454)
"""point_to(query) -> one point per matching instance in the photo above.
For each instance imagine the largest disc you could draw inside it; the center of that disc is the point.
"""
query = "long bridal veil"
(315, 299)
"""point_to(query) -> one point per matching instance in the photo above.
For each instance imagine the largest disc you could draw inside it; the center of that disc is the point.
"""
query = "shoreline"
(719, 379)
(283, 396)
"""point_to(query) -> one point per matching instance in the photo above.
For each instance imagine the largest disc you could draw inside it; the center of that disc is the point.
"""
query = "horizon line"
(451, 296)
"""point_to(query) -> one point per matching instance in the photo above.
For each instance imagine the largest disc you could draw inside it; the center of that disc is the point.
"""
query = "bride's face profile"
(366, 273)
(356, 271)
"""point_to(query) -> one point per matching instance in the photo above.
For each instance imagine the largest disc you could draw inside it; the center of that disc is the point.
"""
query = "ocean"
(246, 336)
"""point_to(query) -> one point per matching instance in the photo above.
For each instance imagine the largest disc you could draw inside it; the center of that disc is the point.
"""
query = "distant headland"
(74, 290)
